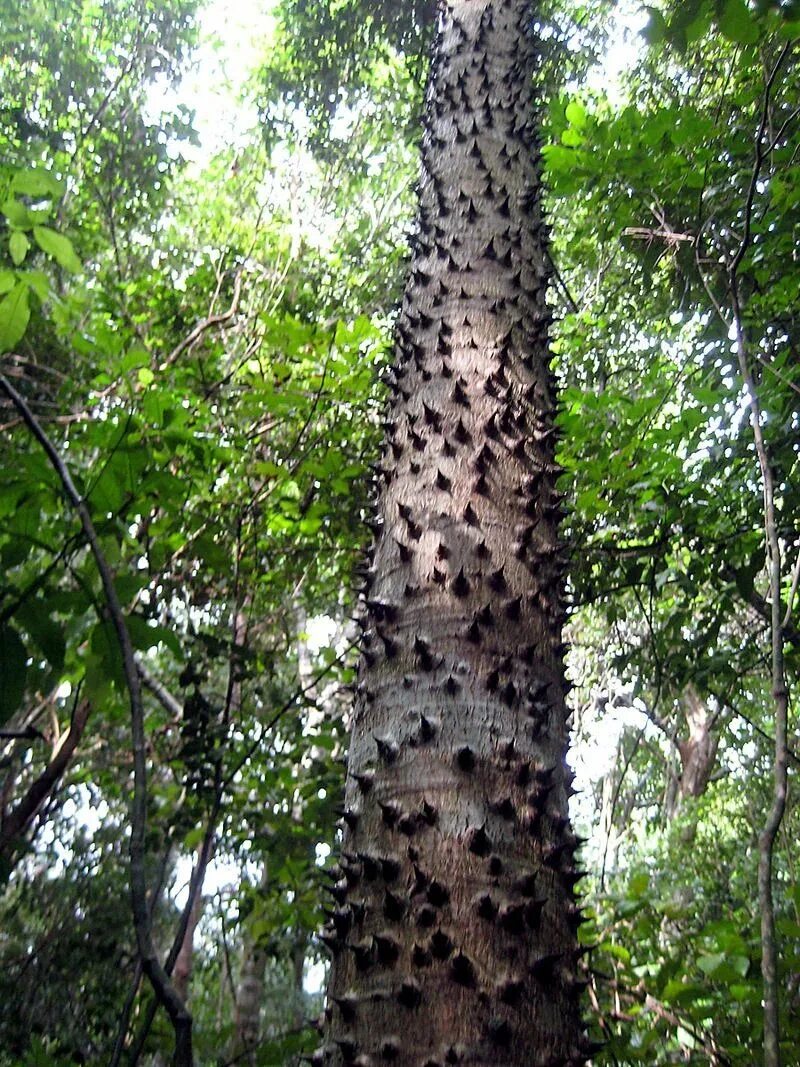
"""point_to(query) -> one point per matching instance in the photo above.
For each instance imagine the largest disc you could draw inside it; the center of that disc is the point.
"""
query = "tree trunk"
(454, 932)
(698, 751)
(182, 973)
(250, 991)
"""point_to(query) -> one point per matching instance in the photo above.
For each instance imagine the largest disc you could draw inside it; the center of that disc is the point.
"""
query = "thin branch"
(195, 887)
(758, 162)
(159, 691)
(562, 285)
(792, 594)
(287, 706)
(763, 607)
(769, 833)
(207, 324)
(133, 991)
(615, 800)
(232, 701)
(164, 990)
(30, 733)
(16, 823)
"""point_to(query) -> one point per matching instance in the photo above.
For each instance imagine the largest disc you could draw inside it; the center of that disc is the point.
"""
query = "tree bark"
(250, 993)
(454, 932)
(698, 750)
(184, 963)
(14, 825)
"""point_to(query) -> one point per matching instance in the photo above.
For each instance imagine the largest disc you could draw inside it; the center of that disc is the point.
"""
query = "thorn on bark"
(460, 586)
(438, 894)
(387, 750)
(462, 971)
(465, 758)
(410, 995)
(479, 842)
(441, 946)
(486, 907)
(365, 781)
(499, 1033)
(421, 957)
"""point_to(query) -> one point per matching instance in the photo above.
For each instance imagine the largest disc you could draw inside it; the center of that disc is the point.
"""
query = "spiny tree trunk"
(454, 930)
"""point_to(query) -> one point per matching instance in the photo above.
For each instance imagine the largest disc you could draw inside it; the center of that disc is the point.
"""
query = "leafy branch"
(159, 979)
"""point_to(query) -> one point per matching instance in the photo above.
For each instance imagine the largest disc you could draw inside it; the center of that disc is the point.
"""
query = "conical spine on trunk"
(454, 939)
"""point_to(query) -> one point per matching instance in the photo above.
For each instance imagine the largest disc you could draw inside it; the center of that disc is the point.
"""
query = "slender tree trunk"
(454, 936)
(182, 972)
(250, 992)
(697, 751)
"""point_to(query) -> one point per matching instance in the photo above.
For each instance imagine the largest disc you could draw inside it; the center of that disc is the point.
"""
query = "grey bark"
(250, 993)
(184, 963)
(454, 931)
(698, 750)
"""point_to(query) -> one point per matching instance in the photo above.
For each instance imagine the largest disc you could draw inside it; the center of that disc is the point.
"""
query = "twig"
(297, 695)
(769, 833)
(159, 691)
(232, 700)
(195, 887)
(19, 819)
(207, 324)
(130, 999)
(30, 733)
(792, 594)
(562, 285)
(762, 607)
(162, 986)
(615, 799)
(758, 162)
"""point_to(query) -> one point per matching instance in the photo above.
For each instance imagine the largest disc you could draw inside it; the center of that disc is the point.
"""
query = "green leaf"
(8, 280)
(655, 32)
(576, 114)
(13, 669)
(685, 14)
(677, 991)
(37, 281)
(17, 214)
(558, 158)
(18, 246)
(14, 317)
(572, 138)
(193, 838)
(711, 964)
(59, 247)
(46, 632)
(737, 24)
(104, 645)
(638, 885)
(37, 183)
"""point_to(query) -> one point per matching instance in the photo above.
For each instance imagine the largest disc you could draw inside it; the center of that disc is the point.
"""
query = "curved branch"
(17, 821)
(207, 324)
(163, 987)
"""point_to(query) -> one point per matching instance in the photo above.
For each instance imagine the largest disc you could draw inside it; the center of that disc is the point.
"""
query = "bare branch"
(213, 320)
(17, 822)
(159, 691)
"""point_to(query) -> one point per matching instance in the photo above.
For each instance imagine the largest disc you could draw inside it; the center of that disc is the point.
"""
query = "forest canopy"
(206, 217)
